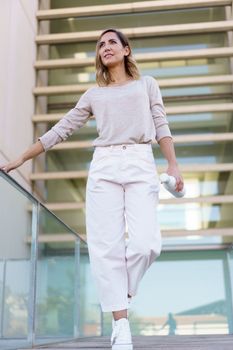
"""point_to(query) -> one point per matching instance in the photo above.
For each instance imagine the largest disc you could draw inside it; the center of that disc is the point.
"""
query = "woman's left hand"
(173, 170)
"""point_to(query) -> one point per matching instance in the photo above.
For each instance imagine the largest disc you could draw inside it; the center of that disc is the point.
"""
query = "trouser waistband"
(125, 146)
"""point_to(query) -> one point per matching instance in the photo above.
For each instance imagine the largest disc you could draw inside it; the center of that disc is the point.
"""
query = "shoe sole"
(122, 347)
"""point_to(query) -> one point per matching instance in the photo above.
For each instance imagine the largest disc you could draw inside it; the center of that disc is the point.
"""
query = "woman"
(122, 180)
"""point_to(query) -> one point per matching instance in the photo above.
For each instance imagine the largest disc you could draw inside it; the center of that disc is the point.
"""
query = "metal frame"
(3, 299)
(33, 275)
(77, 289)
(228, 288)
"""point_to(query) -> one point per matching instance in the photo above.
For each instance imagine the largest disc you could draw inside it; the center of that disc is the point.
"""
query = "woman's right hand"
(12, 165)
(32, 151)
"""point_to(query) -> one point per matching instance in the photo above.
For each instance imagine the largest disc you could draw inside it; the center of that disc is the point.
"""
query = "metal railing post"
(3, 298)
(101, 322)
(228, 290)
(33, 274)
(77, 289)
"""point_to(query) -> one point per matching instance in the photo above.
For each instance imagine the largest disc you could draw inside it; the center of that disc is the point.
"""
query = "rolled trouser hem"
(114, 308)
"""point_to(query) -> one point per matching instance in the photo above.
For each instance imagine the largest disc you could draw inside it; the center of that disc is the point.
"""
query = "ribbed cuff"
(49, 139)
(163, 131)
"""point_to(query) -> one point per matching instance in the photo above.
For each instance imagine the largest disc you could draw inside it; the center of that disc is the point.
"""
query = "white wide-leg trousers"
(122, 184)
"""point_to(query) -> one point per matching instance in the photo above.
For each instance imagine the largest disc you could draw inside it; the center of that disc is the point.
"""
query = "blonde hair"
(102, 74)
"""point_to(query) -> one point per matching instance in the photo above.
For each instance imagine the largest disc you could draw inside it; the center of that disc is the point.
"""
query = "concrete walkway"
(191, 342)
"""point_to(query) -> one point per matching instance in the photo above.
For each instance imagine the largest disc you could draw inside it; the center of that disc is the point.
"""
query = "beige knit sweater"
(125, 114)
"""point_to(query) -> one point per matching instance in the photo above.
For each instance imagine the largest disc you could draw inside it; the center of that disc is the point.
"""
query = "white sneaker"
(121, 336)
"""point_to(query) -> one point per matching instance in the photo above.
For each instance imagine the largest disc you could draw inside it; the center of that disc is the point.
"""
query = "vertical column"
(229, 17)
(39, 164)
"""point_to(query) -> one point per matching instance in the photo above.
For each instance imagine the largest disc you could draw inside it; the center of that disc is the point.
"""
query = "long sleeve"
(71, 121)
(158, 111)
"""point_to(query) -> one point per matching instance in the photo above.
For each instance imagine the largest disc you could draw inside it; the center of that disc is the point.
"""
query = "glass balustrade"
(46, 293)
(184, 293)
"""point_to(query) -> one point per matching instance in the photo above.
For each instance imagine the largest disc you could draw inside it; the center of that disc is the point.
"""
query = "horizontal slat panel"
(60, 90)
(196, 247)
(199, 108)
(53, 237)
(219, 137)
(73, 145)
(41, 118)
(206, 200)
(184, 168)
(204, 232)
(127, 8)
(64, 206)
(140, 57)
(221, 107)
(137, 32)
(203, 200)
(196, 81)
(65, 63)
(163, 83)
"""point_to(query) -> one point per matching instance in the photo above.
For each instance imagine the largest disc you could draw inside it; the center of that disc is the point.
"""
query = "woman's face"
(111, 50)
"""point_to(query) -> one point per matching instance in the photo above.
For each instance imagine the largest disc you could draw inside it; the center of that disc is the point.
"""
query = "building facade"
(187, 47)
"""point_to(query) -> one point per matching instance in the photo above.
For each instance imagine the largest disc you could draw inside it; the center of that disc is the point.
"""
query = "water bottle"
(169, 183)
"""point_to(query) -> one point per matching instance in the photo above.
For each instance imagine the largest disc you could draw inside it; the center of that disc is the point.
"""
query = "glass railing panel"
(55, 298)
(16, 298)
(90, 317)
(56, 307)
(42, 299)
(229, 276)
(15, 261)
(55, 282)
(2, 282)
(183, 293)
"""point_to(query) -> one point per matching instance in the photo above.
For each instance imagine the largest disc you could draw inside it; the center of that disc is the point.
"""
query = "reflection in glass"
(184, 297)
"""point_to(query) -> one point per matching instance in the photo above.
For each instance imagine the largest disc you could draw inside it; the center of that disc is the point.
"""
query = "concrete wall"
(18, 27)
